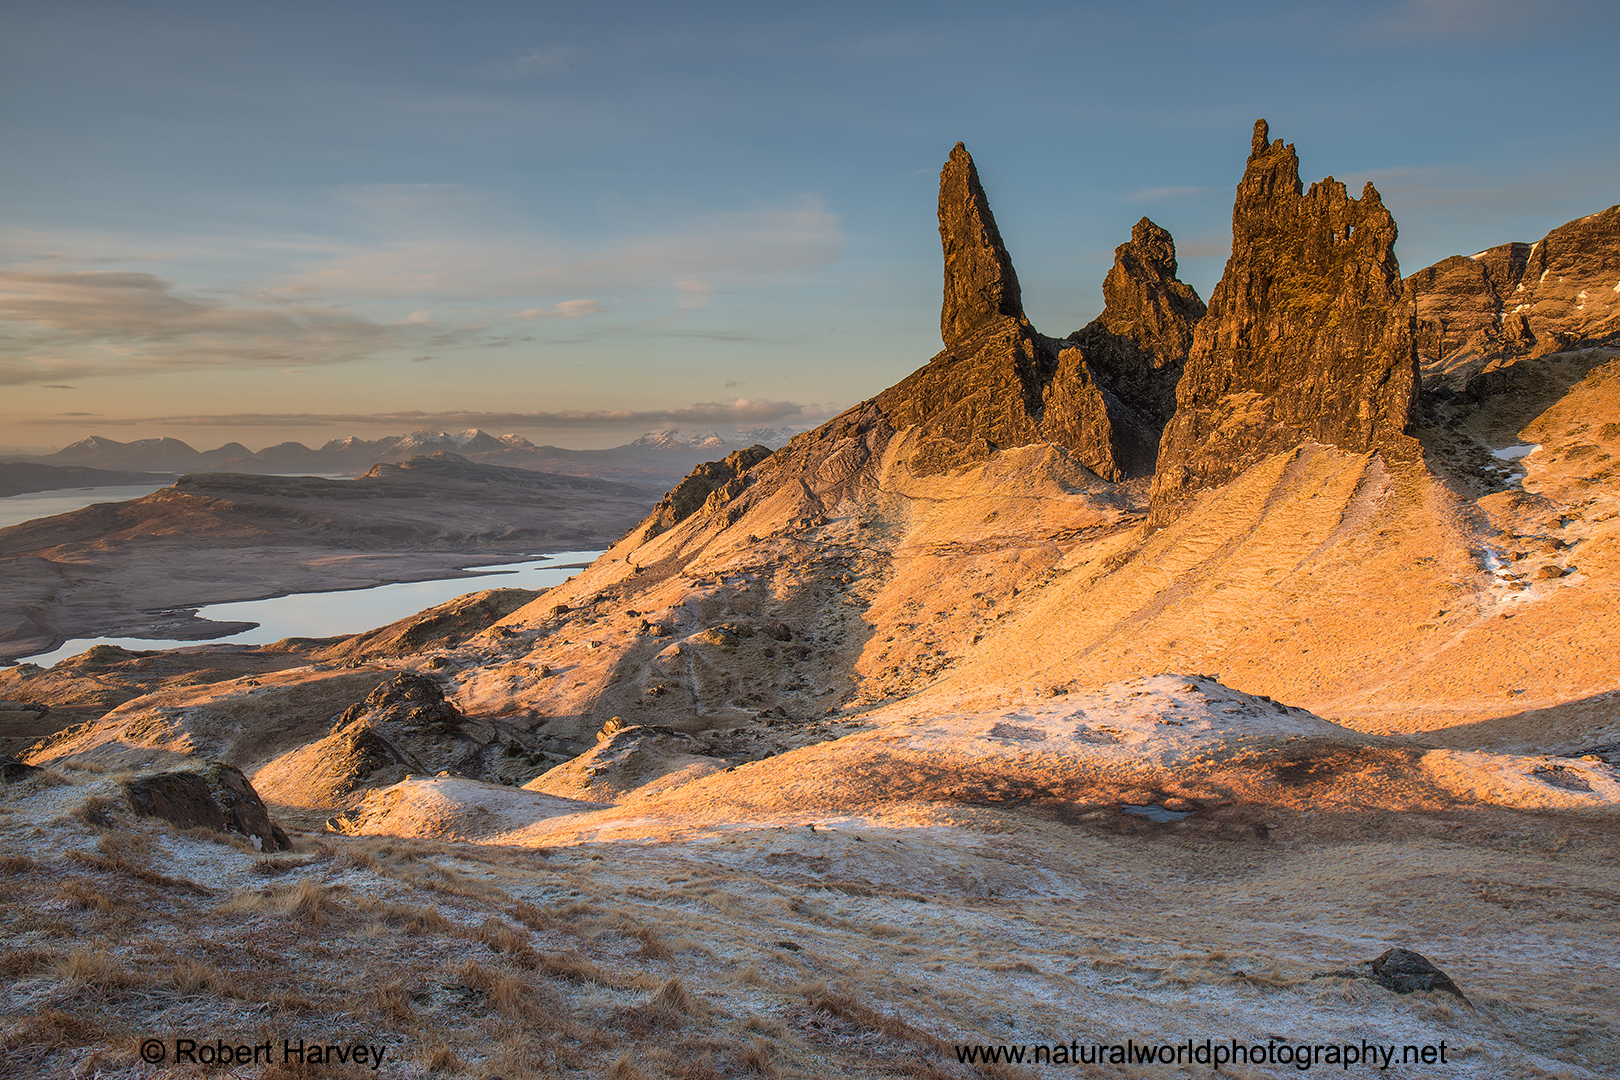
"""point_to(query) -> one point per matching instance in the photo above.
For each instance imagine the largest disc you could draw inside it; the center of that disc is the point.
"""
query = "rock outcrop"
(700, 485)
(1308, 336)
(1480, 313)
(981, 287)
(1139, 344)
(403, 727)
(216, 797)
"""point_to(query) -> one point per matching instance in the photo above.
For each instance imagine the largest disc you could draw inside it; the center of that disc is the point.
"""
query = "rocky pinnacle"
(1139, 344)
(980, 285)
(1308, 336)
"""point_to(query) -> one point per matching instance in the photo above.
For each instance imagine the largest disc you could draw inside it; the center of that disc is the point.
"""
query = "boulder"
(1308, 337)
(12, 770)
(216, 797)
(1405, 972)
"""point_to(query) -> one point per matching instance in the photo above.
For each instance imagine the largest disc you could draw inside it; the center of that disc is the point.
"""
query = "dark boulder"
(216, 797)
(1405, 972)
(13, 771)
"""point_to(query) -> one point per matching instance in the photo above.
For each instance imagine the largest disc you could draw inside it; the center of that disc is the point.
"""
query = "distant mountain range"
(659, 457)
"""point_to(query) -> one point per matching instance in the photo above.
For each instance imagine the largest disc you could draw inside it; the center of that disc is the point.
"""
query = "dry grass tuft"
(308, 900)
(442, 1059)
(501, 937)
(16, 864)
(27, 962)
(625, 1069)
(53, 1028)
(96, 811)
(392, 1001)
(472, 974)
(758, 1059)
(84, 896)
(92, 967)
(520, 1002)
(194, 977)
(356, 859)
(413, 919)
(673, 998)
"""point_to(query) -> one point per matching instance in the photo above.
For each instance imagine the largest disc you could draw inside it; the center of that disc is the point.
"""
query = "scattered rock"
(1402, 971)
(1405, 971)
(217, 797)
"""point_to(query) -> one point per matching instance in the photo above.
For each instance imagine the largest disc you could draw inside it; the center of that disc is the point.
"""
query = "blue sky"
(282, 220)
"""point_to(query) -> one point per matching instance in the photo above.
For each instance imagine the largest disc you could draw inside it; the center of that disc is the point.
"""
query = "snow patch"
(1514, 453)
(1529, 783)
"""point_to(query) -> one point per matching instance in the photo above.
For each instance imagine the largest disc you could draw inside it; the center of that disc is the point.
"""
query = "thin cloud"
(1446, 21)
(741, 411)
(103, 322)
(741, 244)
(549, 60)
(566, 309)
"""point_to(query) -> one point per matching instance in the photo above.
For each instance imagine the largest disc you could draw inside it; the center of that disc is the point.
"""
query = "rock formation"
(980, 285)
(689, 496)
(217, 797)
(1308, 336)
(1479, 313)
(1139, 344)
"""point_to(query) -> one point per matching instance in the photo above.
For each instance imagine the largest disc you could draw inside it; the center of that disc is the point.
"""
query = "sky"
(580, 222)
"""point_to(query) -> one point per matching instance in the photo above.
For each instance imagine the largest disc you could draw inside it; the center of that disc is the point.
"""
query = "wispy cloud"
(1443, 21)
(531, 63)
(566, 309)
(110, 321)
(739, 244)
(741, 411)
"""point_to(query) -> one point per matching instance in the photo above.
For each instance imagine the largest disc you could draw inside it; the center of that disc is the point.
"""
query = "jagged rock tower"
(1139, 344)
(1308, 335)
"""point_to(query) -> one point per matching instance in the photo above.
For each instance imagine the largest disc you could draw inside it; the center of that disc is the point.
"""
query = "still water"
(16, 509)
(329, 614)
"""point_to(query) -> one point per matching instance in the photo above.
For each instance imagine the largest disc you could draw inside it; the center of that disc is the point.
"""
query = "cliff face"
(980, 285)
(1138, 346)
(1308, 335)
(1511, 301)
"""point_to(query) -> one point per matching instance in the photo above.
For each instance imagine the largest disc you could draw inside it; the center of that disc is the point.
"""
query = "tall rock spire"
(1138, 345)
(1308, 335)
(980, 285)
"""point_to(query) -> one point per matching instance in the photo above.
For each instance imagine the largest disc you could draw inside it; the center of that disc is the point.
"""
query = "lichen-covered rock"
(1138, 346)
(981, 287)
(216, 797)
(1308, 336)
(1476, 314)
